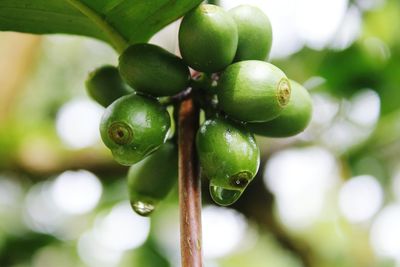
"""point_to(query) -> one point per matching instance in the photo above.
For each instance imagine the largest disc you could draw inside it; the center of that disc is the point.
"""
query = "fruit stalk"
(189, 185)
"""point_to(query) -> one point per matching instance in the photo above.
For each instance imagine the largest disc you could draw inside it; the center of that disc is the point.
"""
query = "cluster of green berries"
(240, 93)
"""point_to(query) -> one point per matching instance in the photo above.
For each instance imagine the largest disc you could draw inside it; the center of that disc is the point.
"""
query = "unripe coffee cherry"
(208, 38)
(255, 33)
(253, 91)
(228, 156)
(154, 71)
(133, 127)
(293, 119)
(150, 180)
(105, 85)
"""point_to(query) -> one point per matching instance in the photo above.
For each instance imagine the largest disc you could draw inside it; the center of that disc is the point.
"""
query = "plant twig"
(189, 186)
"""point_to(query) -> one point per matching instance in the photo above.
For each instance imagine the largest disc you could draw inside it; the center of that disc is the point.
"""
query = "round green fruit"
(208, 38)
(229, 157)
(105, 85)
(150, 180)
(133, 127)
(152, 70)
(255, 33)
(253, 91)
(293, 119)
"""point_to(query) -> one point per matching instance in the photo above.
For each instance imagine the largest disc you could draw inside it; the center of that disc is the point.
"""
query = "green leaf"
(119, 22)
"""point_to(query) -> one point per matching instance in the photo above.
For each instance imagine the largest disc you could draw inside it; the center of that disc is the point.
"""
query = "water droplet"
(142, 208)
(223, 196)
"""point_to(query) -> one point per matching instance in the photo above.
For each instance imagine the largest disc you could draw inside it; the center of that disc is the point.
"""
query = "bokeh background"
(328, 197)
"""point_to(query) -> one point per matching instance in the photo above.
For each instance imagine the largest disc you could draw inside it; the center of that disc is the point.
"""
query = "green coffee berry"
(293, 119)
(253, 91)
(150, 180)
(229, 158)
(255, 33)
(152, 70)
(133, 127)
(105, 85)
(208, 38)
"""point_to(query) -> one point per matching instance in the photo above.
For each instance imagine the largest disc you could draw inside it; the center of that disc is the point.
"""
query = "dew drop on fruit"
(223, 196)
(142, 208)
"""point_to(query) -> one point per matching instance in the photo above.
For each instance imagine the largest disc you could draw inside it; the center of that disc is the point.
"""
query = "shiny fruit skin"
(293, 119)
(133, 127)
(253, 91)
(208, 38)
(105, 85)
(154, 71)
(228, 153)
(255, 33)
(152, 179)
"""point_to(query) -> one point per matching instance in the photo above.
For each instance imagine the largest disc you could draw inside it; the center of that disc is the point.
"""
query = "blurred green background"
(325, 198)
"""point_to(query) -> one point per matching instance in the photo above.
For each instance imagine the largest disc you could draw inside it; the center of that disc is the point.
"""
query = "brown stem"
(189, 186)
(18, 53)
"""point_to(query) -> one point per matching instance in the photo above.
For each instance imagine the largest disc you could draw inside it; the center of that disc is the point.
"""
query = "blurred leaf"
(18, 249)
(384, 23)
(351, 70)
(148, 255)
